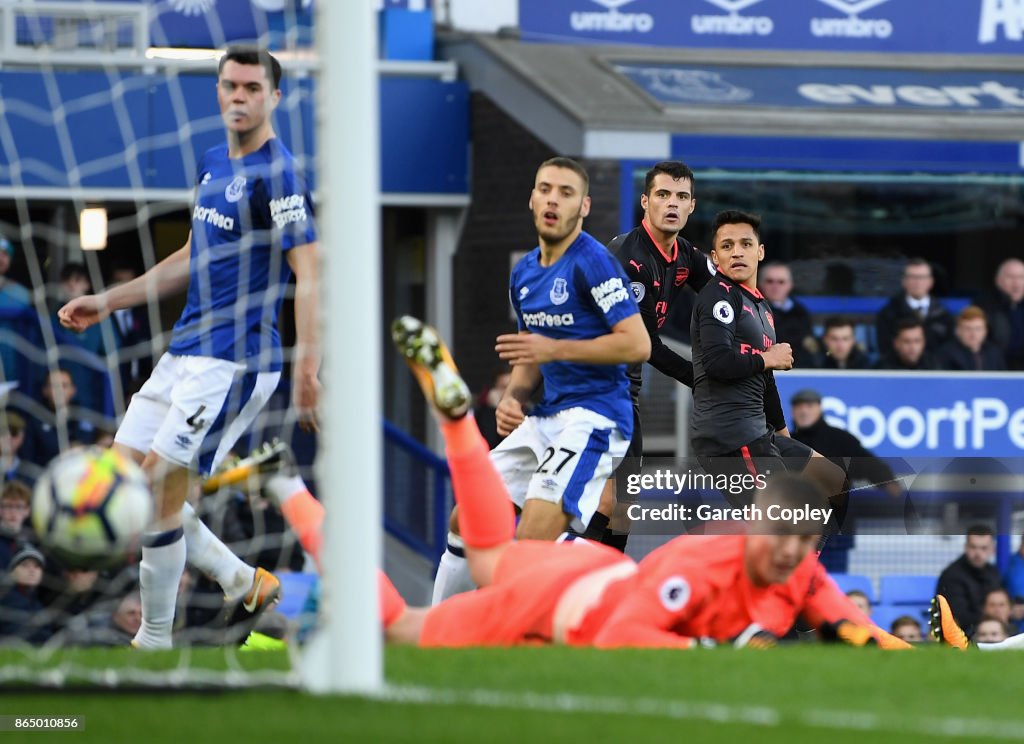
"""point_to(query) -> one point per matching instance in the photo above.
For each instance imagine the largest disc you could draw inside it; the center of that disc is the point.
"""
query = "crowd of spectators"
(985, 604)
(913, 331)
(57, 391)
(43, 599)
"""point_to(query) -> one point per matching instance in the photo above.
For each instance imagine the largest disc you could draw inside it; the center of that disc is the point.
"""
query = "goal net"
(108, 109)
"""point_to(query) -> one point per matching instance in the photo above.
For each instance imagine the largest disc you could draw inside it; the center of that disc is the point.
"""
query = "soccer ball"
(91, 506)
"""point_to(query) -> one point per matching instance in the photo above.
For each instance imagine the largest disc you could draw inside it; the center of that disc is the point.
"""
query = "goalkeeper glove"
(849, 633)
(755, 637)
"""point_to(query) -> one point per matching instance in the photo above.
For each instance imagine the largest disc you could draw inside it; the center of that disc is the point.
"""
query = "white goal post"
(346, 654)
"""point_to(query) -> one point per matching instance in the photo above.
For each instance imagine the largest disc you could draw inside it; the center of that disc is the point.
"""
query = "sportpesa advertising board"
(929, 26)
(929, 414)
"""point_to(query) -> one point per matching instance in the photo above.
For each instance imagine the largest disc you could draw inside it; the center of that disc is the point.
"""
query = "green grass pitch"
(801, 693)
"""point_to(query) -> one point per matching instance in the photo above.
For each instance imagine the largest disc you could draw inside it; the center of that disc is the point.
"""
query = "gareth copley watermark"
(801, 515)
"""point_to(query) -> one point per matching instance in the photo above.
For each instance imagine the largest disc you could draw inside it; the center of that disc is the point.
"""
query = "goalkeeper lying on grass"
(747, 589)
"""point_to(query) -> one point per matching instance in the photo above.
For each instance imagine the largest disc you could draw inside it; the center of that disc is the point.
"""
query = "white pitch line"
(569, 703)
(758, 715)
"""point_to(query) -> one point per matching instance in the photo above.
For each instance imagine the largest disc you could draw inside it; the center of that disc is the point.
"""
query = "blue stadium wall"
(137, 130)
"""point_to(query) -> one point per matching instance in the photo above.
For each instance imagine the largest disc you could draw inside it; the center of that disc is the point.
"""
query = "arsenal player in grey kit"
(736, 407)
(659, 263)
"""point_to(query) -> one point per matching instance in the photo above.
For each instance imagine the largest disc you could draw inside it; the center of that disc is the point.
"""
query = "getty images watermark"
(674, 498)
(882, 496)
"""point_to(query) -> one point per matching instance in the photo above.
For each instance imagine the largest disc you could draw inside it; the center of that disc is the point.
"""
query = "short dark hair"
(998, 590)
(672, 168)
(838, 321)
(916, 261)
(736, 217)
(245, 54)
(15, 490)
(73, 270)
(1007, 629)
(904, 620)
(980, 530)
(13, 421)
(906, 323)
(569, 164)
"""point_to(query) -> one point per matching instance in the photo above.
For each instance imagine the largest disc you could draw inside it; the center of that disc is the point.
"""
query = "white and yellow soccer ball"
(91, 506)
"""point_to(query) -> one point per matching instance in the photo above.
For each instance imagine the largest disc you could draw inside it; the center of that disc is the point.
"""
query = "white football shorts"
(193, 409)
(562, 458)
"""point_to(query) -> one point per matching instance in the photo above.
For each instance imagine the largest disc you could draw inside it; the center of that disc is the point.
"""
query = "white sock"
(159, 573)
(281, 487)
(1015, 642)
(207, 553)
(452, 572)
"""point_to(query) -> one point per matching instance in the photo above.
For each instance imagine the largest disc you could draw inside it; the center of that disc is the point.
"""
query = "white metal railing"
(73, 32)
(91, 34)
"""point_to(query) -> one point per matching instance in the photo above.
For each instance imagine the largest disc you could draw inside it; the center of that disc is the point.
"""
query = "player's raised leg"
(274, 464)
(486, 514)
(432, 366)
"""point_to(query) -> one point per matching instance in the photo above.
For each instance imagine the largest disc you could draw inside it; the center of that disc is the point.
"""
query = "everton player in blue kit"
(579, 328)
(737, 413)
(252, 226)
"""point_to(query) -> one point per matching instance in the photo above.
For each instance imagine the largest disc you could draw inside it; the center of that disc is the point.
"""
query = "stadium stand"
(853, 582)
(900, 589)
(295, 588)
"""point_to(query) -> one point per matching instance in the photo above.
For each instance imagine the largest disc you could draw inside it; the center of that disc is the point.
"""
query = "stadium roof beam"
(572, 98)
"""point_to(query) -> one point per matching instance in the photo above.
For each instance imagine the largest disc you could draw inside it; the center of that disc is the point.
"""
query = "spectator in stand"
(838, 445)
(134, 340)
(84, 354)
(908, 351)
(970, 350)
(915, 301)
(967, 581)
(1004, 305)
(791, 317)
(12, 436)
(1013, 580)
(13, 296)
(991, 630)
(15, 530)
(255, 531)
(997, 604)
(117, 628)
(860, 599)
(78, 599)
(15, 303)
(908, 629)
(487, 405)
(21, 612)
(840, 346)
(71, 582)
(43, 440)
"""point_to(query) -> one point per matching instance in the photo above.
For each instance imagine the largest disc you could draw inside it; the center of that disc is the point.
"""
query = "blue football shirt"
(248, 212)
(582, 295)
